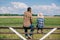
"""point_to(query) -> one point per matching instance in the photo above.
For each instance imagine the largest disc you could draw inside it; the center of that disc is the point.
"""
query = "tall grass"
(19, 21)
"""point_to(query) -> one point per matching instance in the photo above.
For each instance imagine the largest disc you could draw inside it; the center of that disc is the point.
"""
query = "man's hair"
(29, 9)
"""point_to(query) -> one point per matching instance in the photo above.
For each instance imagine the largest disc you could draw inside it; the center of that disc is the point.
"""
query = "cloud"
(4, 10)
(19, 5)
(14, 7)
(48, 9)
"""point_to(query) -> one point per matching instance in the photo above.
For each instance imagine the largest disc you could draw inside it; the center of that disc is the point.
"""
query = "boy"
(40, 22)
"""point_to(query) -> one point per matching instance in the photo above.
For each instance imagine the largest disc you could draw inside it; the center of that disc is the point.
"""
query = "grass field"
(18, 22)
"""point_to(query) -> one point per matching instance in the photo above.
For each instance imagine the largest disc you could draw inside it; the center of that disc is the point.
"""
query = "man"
(28, 23)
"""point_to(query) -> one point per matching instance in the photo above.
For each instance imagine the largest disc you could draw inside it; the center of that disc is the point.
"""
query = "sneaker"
(41, 31)
(38, 31)
(26, 37)
(29, 37)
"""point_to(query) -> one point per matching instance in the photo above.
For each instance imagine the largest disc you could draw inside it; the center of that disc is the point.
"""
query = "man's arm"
(31, 18)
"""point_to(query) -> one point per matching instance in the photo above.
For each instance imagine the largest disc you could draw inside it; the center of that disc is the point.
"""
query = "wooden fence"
(24, 33)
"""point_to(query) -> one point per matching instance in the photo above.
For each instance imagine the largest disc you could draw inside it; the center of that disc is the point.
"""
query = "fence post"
(17, 33)
(48, 34)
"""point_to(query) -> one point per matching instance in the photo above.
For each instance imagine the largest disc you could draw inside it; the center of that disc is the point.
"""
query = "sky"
(47, 7)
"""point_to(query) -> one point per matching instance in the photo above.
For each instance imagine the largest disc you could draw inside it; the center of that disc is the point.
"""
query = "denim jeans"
(31, 27)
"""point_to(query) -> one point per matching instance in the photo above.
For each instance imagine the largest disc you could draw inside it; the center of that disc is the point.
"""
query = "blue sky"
(47, 7)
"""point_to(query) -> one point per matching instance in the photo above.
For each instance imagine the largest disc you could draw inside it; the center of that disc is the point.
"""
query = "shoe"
(38, 32)
(26, 37)
(29, 37)
(41, 32)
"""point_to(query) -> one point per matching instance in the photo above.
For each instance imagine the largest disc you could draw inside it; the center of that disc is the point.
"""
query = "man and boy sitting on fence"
(27, 24)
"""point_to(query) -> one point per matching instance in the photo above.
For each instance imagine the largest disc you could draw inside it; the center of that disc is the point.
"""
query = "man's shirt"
(27, 17)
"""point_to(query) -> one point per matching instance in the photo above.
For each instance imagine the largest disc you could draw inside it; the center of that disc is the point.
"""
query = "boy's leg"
(41, 30)
(38, 30)
(42, 27)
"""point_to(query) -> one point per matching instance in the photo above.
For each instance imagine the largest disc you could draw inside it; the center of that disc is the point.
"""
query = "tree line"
(21, 15)
(15, 14)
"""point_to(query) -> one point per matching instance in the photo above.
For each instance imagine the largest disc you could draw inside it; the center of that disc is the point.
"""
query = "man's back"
(27, 17)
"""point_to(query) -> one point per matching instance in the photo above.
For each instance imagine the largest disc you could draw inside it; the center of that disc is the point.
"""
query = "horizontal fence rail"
(22, 28)
(24, 33)
(31, 39)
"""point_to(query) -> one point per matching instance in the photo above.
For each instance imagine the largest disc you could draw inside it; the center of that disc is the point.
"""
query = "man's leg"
(31, 29)
(26, 32)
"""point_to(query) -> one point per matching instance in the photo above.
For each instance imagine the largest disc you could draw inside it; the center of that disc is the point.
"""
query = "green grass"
(35, 36)
(18, 22)
(9, 36)
(52, 21)
(52, 36)
(11, 21)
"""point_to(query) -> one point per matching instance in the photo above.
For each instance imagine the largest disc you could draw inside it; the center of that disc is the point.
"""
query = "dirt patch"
(22, 17)
(11, 16)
